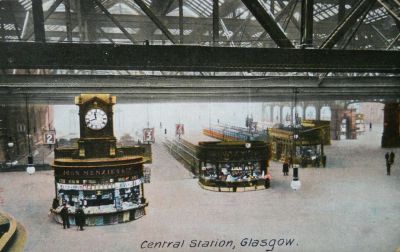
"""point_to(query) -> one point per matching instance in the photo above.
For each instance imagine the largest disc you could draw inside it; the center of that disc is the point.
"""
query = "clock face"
(96, 119)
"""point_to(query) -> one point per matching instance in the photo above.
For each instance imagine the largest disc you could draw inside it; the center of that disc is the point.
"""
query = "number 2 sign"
(50, 137)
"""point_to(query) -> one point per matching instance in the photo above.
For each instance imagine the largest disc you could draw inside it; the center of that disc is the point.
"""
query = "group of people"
(80, 217)
(389, 161)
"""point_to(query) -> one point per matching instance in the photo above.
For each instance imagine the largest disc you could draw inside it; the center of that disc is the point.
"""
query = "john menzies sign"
(95, 172)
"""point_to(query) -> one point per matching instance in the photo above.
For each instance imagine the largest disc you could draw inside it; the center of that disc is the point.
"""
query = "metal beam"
(108, 14)
(162, 88)
(181, 21)
(38, 21)
(215, 22)
(349, 21)
(155, 20)
(68, 22)
(268, 23)
(341, 11)
(306, 31)
(193, 58)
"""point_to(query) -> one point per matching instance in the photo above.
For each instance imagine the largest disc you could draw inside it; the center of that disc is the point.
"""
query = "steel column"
(38, 21)
(68, 21)
(341, 11)
(78, 10)
(215, 22)
(181, 21)
(306, 31)
(272, 7)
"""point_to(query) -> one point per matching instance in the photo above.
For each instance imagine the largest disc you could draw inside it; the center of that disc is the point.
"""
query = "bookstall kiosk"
(233, 166)
(309, 145)
(102, 179)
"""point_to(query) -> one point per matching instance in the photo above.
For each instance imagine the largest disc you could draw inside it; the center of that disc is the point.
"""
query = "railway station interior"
(199, 125)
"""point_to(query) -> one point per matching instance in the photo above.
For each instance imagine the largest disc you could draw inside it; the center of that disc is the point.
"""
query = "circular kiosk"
(96, 176)
(234, 166)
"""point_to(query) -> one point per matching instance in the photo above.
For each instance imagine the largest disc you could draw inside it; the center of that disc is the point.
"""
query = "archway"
(276, 115)
(286, 114)
(311, 113)
(325, 113)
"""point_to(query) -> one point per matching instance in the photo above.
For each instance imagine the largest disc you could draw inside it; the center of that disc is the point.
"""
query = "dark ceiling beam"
(268, 23)
(215, 17)
(348, 22)
(155, 20)
(240, 82)
(173, 22)
(63, 88)
(38, 21)
(68, 21)
(115, 21)
(198, 34)
(193, 58)
(306, 31)
(180, 21)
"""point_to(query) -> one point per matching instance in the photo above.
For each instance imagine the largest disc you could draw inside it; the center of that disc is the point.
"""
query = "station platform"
(351, 205)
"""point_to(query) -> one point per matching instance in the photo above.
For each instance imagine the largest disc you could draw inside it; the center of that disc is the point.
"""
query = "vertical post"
(30, 158)
(79, 17)
(341, 11)
(3, 33)
(215, 22)
(306, 34)
(272, 8)
(181, 21)
(38, 21)
(68, 22)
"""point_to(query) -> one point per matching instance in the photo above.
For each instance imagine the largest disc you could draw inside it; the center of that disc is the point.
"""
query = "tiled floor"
(349, 206)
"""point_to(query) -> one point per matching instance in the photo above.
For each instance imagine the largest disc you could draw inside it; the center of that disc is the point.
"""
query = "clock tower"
(104, 181)
(97, 138)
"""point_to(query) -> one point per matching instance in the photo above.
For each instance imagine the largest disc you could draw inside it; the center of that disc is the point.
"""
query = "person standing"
(391, 158)
(64, 216)
(285, 168)
(387, 157)
(80, 218)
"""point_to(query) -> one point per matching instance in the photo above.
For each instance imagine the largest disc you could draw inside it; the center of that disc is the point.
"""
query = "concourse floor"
(352, 205)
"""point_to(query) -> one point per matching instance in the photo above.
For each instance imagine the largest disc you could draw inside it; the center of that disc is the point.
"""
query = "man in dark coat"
(391, 157)
(285, 168)
(80, 218)
(64, 215)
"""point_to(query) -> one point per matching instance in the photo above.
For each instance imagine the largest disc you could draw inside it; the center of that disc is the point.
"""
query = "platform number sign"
(179, 129)
(50, 137)
(148, 135)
